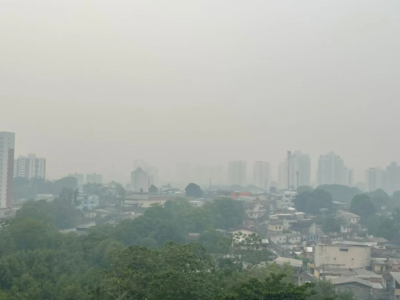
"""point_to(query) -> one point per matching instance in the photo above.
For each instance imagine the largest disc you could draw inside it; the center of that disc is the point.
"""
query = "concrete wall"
(344, 255)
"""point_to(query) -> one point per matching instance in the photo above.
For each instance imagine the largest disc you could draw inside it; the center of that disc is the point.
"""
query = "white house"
(88, 202)
(349, 217)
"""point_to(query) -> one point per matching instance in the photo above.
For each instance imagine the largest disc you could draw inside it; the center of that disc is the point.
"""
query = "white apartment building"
(373, 179)
(299, 171)
(391, 178)
(262, 174)
(30, 167)
(94, 178)
(140, 181)
(7, 145)
(331, 170)
(237, 173)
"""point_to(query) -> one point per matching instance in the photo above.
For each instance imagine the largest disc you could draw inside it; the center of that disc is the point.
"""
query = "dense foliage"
(313, 202)
(149, 257)
(342, 193)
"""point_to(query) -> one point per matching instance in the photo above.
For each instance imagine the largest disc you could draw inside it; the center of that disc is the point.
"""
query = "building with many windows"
(299, 171)
(373, 179)
(237, 173)
(30, 167)
(331, 170)
(262, 174)
(140, 181)
(7, 144)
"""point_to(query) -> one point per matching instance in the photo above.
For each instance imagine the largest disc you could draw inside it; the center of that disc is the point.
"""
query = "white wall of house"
(347, 256)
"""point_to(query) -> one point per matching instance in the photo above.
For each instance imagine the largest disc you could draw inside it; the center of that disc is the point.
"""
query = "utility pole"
(288, 169)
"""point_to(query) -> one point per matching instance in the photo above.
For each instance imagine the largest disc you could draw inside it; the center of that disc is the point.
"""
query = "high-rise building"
(94, 178)
(262, 174)
(299, 171)
(373, 178)
(331, 170)
(149, 169)
(30, 167)
(391, 178)
(237, 173)
(140, 181)
(7, 144)
(80, 178)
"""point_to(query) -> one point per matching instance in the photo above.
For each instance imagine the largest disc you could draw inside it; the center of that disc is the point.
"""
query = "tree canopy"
(193, 190)
(342, 193)
(362, 205)
(313, 202)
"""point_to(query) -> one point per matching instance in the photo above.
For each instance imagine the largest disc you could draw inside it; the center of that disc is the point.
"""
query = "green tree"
(330, 225)
(361, 205)
(339, 192)
(66, 182)
(373, 223)
(396, 199)
(30, 234)
(193, 190)
(215, 241)
(153, 189)
(194, 220)
(380, 198)
(273, 288)
(388, 230)
(313, 202)
(225, 212)
(173, 272)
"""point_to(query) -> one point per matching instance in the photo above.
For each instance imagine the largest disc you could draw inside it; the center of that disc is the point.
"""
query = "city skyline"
(374, 177)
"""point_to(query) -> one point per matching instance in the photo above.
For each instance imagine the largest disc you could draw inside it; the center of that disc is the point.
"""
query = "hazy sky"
(94, 84)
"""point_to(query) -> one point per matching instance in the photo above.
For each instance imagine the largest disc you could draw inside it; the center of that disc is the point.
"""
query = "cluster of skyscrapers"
(293, 172)
(387, 178)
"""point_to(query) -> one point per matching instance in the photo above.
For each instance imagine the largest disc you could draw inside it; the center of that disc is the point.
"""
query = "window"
(344, 250)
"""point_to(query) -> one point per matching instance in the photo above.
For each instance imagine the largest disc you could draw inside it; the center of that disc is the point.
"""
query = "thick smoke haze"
(92, 85)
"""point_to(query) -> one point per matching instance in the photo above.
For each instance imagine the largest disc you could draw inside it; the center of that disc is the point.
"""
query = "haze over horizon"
(94, 85)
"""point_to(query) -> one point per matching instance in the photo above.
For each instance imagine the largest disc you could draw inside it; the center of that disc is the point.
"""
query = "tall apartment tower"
(331, 170)
(237, 173)
(391, 178)
(262, 174)
(140, 181)
(299, 170)
(7, 144)
(373, 179)
(30, 167)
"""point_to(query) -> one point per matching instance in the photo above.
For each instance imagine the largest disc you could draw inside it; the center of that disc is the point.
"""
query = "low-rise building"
(348, 217)
(88, 202)
(361, 289)
(343, 255)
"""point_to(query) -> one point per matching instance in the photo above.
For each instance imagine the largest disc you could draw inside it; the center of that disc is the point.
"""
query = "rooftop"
(396, 276)
(280, 261)
(347, 214)
(349, 279)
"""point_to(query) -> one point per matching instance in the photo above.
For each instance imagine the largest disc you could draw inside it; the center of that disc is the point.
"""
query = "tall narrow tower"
(289, 153)
(7, 144)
